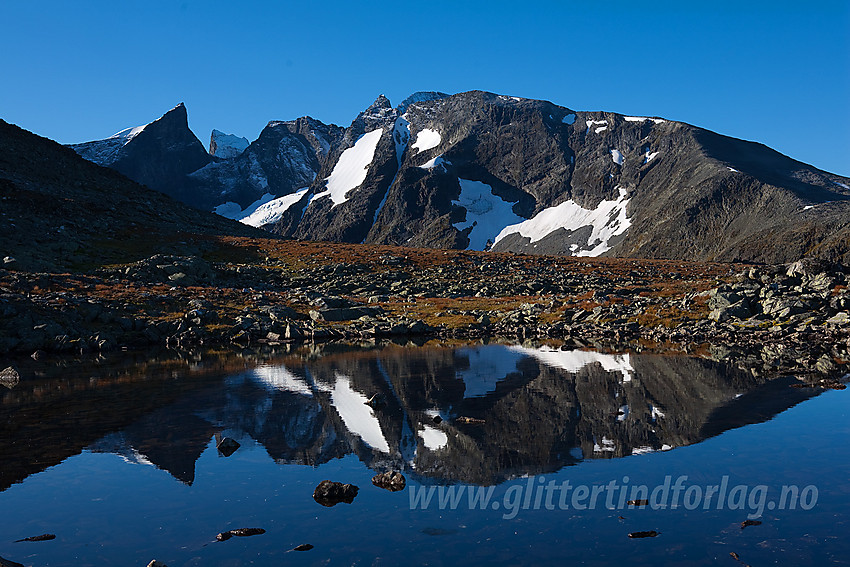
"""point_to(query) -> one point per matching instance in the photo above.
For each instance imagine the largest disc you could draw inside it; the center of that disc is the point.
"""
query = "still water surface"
(119, 460)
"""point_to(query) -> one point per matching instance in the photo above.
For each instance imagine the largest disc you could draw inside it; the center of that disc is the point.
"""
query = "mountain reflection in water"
(535, 409)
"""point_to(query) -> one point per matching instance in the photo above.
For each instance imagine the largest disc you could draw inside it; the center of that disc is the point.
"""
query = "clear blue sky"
(775, 72)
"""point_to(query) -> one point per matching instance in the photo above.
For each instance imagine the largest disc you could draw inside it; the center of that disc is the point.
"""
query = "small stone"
(38, 355)
(302, 547)
(636, 535)
(240, 532)
(42, 537)
(10, 377)
(390, 480)
(156, 563)
(246, 532)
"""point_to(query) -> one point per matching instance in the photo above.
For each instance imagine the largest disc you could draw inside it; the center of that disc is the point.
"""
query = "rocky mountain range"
(477, 170)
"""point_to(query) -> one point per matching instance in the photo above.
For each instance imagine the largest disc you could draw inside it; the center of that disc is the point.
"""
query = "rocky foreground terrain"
(246, 292)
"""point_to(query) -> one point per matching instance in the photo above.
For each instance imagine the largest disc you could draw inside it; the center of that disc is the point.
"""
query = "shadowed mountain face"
(477, 170)
(158, 154)
(479, 414)
(59, 208)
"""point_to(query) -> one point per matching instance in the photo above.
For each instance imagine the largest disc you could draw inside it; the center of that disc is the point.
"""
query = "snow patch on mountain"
(603, 125)
(356, 415)
(617, 157)
(280, 378)
(227, 146)
(433, 438)
(233, 211)
(488, 365)
(648, 155)
(574, 360)
(426, 140)
(105, 152)
(642, 119)
(351, 169)
(271, 211)
(486, 213)
(438, 161)
(607, 220)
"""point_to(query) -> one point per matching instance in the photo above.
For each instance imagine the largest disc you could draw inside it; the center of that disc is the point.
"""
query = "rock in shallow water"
(42, 537)
(390, 480)
(636, 535)
(10, 377)
(329, 493)
(239, 532)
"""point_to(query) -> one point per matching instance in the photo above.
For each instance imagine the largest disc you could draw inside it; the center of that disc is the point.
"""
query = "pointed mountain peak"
(380, 103)
(377, 112)
(178, 113)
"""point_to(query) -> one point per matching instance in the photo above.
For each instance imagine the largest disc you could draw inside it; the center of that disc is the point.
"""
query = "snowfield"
(617, 157)
(607, 220)
(574, 360)
(351, 169)
(485, 212)
(265, 210)
(426, 140)
(356, 415)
